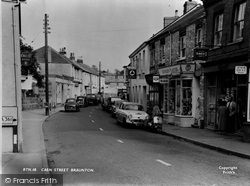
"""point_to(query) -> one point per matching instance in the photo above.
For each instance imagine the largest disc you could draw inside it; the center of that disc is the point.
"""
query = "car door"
(119, 117)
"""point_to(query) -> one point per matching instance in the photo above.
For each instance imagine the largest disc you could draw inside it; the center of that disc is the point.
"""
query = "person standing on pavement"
(231, 105)
(222, 115)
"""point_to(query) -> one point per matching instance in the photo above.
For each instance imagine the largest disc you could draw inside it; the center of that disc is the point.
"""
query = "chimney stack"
(72, 56)
(188, 5)
(62, 51)
(80, 61)
(168, 20)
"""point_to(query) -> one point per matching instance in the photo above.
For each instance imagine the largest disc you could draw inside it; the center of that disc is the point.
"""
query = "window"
(199, 35)
(184, 97)
(218, 29)
(183, 46)
(239, 21)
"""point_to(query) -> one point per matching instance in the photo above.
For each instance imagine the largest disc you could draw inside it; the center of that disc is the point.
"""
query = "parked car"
(82, 101)
(92, 99)
(111, 101)
(106, 105)
(130, 113)
(71, 104)
(115, 106)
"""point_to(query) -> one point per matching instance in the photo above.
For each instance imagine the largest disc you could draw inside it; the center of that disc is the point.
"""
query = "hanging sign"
(163, 80)
(26, 58)
(131, 73)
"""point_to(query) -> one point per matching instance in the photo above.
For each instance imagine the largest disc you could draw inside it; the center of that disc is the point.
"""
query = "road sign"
(9, 116)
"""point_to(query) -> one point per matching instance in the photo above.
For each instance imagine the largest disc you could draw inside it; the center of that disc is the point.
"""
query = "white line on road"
(164, 163)
(93, 121)
(90, 116)
(101, 129)
(120, 141)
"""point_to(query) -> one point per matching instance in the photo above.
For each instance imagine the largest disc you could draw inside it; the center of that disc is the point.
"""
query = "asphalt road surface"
(90, 148)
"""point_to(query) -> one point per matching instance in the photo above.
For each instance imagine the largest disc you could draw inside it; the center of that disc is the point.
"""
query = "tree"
(34, 67)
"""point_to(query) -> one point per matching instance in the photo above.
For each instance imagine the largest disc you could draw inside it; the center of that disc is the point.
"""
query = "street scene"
(124, 92)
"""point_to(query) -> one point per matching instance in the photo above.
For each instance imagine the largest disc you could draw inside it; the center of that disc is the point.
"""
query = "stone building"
(175, 79)
(226, 70)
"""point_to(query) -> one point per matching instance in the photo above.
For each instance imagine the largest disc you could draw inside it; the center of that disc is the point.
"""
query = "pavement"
(33, 154)
(231, 144)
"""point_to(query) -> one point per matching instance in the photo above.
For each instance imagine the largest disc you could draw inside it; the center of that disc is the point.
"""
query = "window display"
(184, 97)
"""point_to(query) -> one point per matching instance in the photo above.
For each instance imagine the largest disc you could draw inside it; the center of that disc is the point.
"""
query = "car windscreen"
(70, 101)
(133, 107)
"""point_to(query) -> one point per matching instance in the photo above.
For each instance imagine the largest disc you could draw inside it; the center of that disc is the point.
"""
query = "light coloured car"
(130, 113)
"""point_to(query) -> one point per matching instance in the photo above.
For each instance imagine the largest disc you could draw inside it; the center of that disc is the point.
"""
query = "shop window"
(184, 97)
(239, 15)
(171, 101)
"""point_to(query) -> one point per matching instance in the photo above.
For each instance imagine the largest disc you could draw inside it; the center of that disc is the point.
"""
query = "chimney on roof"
(168, 20)
(62, 51)
(188, 5)
(72, 56)
(80, 61)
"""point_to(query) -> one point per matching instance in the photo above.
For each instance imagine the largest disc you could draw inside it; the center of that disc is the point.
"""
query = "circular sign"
(132, 72)
(188, 67)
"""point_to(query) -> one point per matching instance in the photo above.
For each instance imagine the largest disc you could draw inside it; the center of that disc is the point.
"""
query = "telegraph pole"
(46, 28)
(100, 77)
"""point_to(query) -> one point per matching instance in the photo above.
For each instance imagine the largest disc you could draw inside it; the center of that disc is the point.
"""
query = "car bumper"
(137, 122)
(69, 108)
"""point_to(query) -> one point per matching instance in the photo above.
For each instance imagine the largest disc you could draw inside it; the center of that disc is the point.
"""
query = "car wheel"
(124, 122)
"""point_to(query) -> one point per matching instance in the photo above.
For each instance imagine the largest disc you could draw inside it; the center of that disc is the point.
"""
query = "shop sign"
(165, 71)
(200, 54)
(188, 68)
(156, 79)
(176, 70)
(163, 80)
(26, 58)
(131, 73)
(240, 70)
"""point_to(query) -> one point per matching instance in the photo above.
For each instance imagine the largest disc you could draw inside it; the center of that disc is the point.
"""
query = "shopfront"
(221, 82)
(155, 96)
(180, 94)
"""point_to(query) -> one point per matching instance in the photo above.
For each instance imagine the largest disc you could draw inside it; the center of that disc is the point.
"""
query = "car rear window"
(133, 107)
(70, 101)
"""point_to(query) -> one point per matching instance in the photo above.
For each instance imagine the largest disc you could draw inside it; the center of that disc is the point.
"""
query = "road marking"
(93, 121)
(90, 112)
(120, 141)
(101, 129)
(90, 116)
(164, 163)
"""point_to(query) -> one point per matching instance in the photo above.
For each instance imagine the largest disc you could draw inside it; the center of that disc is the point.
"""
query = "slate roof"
(56, 57)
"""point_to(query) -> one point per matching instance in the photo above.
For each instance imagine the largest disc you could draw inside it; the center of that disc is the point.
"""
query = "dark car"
(110, 102)
(92, 99)
(82, 101)
(115, 106)
(71, 105)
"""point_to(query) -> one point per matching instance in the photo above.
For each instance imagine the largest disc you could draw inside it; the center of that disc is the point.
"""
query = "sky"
(105, 31)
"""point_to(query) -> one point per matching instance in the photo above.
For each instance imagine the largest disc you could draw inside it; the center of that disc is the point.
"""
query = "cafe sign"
(187, 68)
(172, 70)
